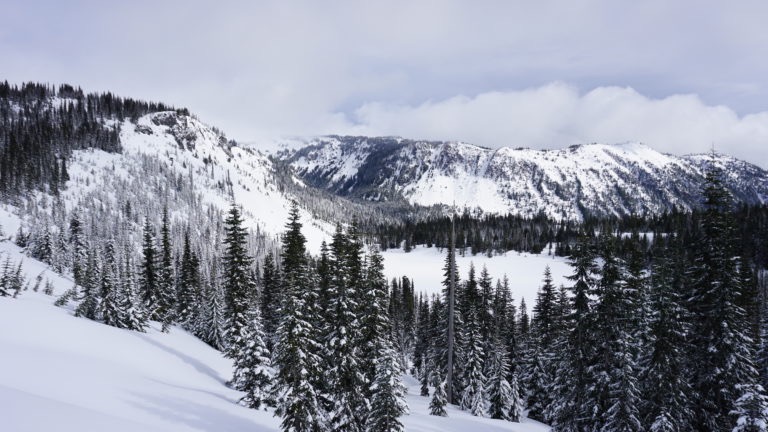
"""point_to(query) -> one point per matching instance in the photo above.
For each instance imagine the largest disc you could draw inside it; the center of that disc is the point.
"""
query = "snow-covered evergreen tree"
(439, 399)
(238, 285)
(751, 409)
(498, 389)
(473, 397)
(110, 308)
(664, 384)
(188, 292)
(572, 409)
(721, 358)
(386, 390)
(296, 356)
(166, 297)
(149, 277)
(253, 373)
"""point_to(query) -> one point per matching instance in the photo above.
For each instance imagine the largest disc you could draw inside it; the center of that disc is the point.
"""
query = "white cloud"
(556, 115)
(270, 68)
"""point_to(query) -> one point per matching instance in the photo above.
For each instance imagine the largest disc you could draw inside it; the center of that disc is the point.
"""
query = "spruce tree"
(89, 300)
(165, 309)
(473, 396)
(188, 293)
(341, 345)
(572, 409)
(270, 297)
(613, 368)
(664, 384)
(297, 350)
(149, 280)
(387, 393)
(253, 373)
(498, 389)
(439, 399)
(134, 317)
(237, 283)
(111, 311)
(386, 390)
(721, 357)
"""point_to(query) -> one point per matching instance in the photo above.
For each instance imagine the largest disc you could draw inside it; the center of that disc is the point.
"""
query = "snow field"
(424, 266)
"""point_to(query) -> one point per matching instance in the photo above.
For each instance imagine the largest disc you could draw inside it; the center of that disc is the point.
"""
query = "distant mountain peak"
(568, 183)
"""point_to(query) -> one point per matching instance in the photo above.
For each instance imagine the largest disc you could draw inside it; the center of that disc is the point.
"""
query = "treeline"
(668, 337)
(476, 234)
(40, 125)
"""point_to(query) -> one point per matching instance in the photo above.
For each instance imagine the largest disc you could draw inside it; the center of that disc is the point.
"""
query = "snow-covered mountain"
(568, 183)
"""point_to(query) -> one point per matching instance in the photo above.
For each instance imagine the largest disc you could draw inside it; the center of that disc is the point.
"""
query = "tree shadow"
(195, 363)
(197, 415)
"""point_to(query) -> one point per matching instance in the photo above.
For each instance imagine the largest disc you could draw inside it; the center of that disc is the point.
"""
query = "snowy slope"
(164, 151)
(563, 184)
(59, 372)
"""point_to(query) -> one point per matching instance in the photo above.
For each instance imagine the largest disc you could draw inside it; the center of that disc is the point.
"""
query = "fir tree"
(89, 301)
(342, 349)
(572, 409)
(270, 297)
(110, 306)
(386, 392)
(296, 357)
(473, 397)
(237, 283)
(188, 293)
(721, 355)
(664, 383)
(149, 281)
(498, 389)
(165, 299)
(751, 409)
(134, 317)
(439, 399)
(253, 373)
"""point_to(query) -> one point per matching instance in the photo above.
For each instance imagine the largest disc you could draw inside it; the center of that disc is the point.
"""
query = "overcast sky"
(680, 76)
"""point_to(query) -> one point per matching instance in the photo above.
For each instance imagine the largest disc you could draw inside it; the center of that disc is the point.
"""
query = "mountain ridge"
(569, 183)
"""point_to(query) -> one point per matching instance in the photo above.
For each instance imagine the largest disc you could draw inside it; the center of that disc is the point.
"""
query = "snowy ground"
(525, 271)
(59, 372)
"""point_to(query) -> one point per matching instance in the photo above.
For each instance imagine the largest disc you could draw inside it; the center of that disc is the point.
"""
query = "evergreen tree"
(572, 410)
(89, 301)
(342, 350)
(473, 397)
(613, 368)
(270, 297)
(296, 357)
(387, 392)
(751, 409)
(149, 281)
(439, 399)
(721, 355)
(238, 285)
(110, 306)
(78, 247)
(498, 389)
(130, 305)
(664, 382)
(165, 294)
(188, 293)
(253, 373)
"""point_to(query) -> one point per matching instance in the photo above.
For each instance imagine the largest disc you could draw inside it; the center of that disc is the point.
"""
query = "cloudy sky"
(680, 76)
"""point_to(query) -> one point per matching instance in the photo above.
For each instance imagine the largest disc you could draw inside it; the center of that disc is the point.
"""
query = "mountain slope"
(567, 184)
(83, 375)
